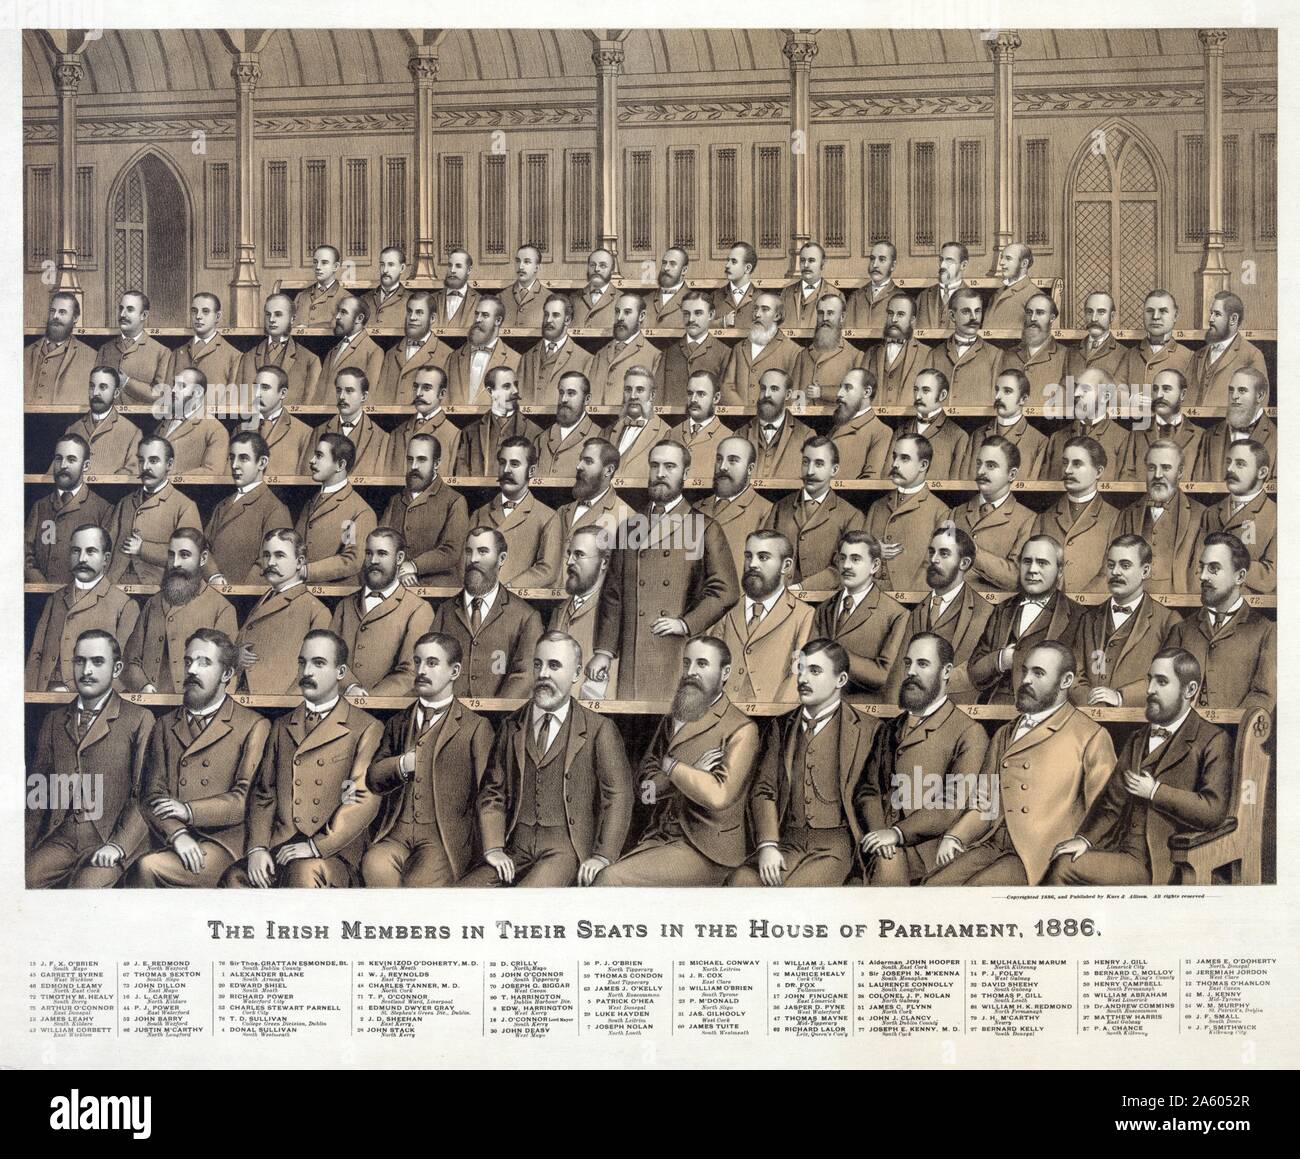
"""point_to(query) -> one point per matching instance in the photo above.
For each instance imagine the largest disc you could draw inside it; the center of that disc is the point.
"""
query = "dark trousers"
(412, 855)
(993, 862)
(544, 858)
(1098, 867)
(813, 857)
(63, 859)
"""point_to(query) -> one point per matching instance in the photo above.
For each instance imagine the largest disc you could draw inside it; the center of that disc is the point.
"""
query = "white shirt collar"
(204, 341)
(84, 587)
(561, 714)
(823, 716)
(82, 706)
(159, 489)
(328, 706)
(995, 503)
(931, 708)
(206, 711)
(804, 497)
(74, 492)
(384, 593)
(250, 487)
(330, 488)
(856, 597)
(489, 598)
(437, 707)
(1246, 500)
(1088, 498)
(910, 490)
(275, 414)
(768, 604)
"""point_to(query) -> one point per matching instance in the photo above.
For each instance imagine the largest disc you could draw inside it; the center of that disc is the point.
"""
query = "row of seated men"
(56, 366)
(327, 795)
(633, 585)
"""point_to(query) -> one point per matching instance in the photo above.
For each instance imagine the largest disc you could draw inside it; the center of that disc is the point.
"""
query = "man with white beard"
(639, 428)
(1247, 418)
(697, 772)
(821, 367)
(1168, 519)
(480, 354)
(765, 349)
(556, 799)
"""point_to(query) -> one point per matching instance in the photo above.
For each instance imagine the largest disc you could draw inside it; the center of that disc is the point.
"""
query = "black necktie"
(85, 718)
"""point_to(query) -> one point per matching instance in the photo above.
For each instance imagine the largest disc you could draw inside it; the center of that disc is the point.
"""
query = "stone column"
(67, 81)
(423, 67)
(607, 56)
(1213, 274)
(245, 305)
(1002, 47)
(799, 50)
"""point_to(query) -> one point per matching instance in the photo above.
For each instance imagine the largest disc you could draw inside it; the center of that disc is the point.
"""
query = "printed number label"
(1069, 928)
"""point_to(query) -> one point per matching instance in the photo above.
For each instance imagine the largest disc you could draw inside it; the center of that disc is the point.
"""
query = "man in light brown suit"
(140, 360)
(664, 308)
(1093, 401)
(353, 422)
(289, 440)
(482, 352)
(638, 429)
(1247, 418)
(698, 350)
(275, 625)
(777, 436)
(236, 528)
(735, 505)
(1099, 348)
(93, 749)
(1225, 350)
(801, 807)
(55, 369)
(556, 800)
(586, 563)
(477, 452)
(1167, 423)
(198, 440)
(1007, 305)
(522, 518)
(801, 300)
(821, 366)
(208, 350)
(895, 360)
(867, 306)
(354, 350)
(305, 835)
(315, 306)
(697, 772)
(54, 517)
(428, 396)
(431, 517)
(412, 352)
(556, 355)
(921, 770)
(1174, 775)
(904, 520)
(950, 608)
(968, 362)
(560, 445)
(628, 348)
(87, 601)
(524, 299)
(386, 303)
(143, 521)
(111, 436)
(868, 622)
(496, 629)
(1038, 356)
(593, 309)
(1159, 350)
(279, 349)
(995, 520)
(428, 769)
(765, 349)
(815, 518)
(1010, 397)
(672, 577)
(701, 430)
(1118, 637)
(455, 304)
(949, 444)
(203, 756)
(1235, 645)
(1041, 774)
(1082, 521)
(733, 302)
(1248, 512)
(336, 520)
(154, 654)
(860, 436)
(381, 622)
(768, 626)
(1167, 519)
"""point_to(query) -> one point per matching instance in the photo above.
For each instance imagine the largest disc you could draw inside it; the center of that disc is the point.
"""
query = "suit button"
(296, 782)
(668, 583)
(204, 781)
(321, 761)
(1024, 808)
(183, 782)
(1025, 787)
(315, 800)
(296, 761)
(1025, 765)
(206, 764)
(315, 820)
(640, 583)
(641, 615)
(1006, 764)
(318, 781)
(185, 762)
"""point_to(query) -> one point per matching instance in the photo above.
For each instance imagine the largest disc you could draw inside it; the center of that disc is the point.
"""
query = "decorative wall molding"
(663, 112)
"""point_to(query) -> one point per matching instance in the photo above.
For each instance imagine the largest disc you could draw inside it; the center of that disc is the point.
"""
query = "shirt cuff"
(768, 845)
(256, 849)
(179, 833)
(901, 839)
(121, 853)
(667, 764)
(311, 844)
(406, 765)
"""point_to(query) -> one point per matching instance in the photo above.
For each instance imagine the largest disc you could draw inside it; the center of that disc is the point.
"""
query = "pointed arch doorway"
(150, 240)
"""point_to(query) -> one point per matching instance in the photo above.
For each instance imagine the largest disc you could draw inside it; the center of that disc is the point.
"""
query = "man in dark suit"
(699, 350)
(455, 303)
(112, 436)
(860, 434)
(1082, 520)
(595, 503)
(236, 528)
(681, 556)
(56, 368)
(868, 622)
(1173, 775)
(922, 770)
(1235, 645)
(386, 303)
(801, 805)
(427, 772)
(968, 362)
(1099, 348)
(82, 821)
(815, 519)
(556, 800)
(994, 518)
(664, 308)
(336, 520)
(1167, 518)
(144, 520)
(202, 758)
(208, 351)
(1225, 351)
(289, 440)
(483, 352)
(586, 564)
(140, 359)
(1093, 400)
(354, 350)
(896, 360)
(431, 517)
(300, 367)
(532, 560)
(496, 630)
(479, 441)
(949, 444)
(1168, 424)
(733, 303)
(735, 505)
(559, 446)
(1248, 512)
(951, 608)
(867, 306)
(777, 436)
(697, 772)
(1010, 397)
(905, 520)
(1038, 611)
(701, 430)
(1118, 637)
(305, 835)
(54, 517)
(198, 439)
(556, 355)
(801, 299)
(353, 422)
(428, 396)
(628, 348)
(1247, 418)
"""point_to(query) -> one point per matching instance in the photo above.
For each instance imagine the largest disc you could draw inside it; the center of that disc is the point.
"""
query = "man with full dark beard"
(859, 434)
(766, 629)
(820, 367)
(303, 835)
(381, 622)
(805, 824)
(664, 309)
(559, 447)
(672, 577)
(697, 773)
(111, 436)
(496, 630)
(922, 770)
(456, 303)
(896, 360)
(555, 803)
(197, 821)
(628, 348)
(586, 564)
(735, 505)
(482, 352)
(355, 350)
(154, 656)
(56, 368)
(1038, 356)
(430, 516)
(418, 349)
(776, 435)
(1173, 775)
(55, 516)
(1225, 351)
(1041, 774)
(595, 503)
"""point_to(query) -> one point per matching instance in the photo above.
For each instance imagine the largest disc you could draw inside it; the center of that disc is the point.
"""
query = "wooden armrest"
(1182, 842)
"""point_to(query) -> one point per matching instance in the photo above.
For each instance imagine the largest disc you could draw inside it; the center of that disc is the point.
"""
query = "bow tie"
(509, 504)
(482, 349)
(1161, 733)
(1118, 610)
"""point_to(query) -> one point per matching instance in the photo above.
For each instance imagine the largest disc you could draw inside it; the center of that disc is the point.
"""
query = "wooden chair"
(1232, 852)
